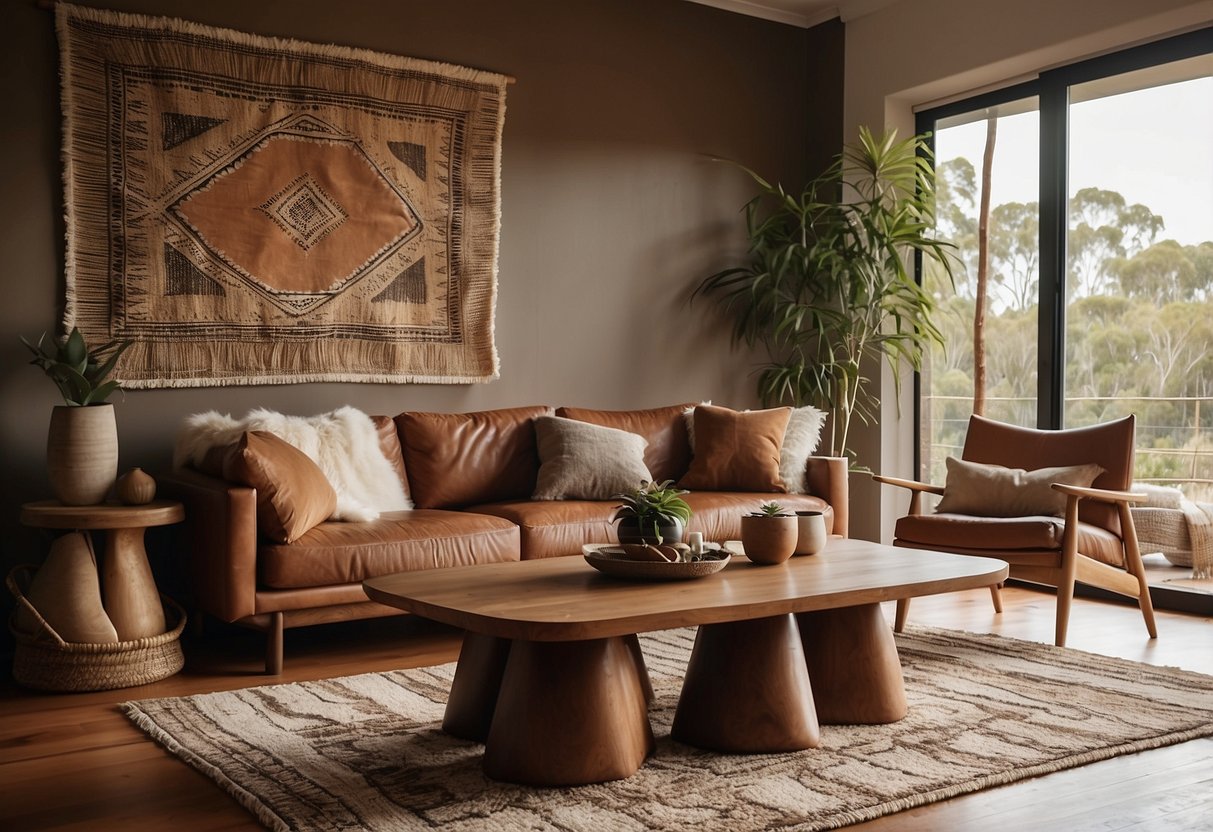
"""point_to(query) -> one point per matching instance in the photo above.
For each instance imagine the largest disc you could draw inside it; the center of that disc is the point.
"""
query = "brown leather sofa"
(471, 477)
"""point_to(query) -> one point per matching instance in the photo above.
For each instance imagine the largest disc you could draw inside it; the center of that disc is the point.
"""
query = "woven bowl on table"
(44, 661)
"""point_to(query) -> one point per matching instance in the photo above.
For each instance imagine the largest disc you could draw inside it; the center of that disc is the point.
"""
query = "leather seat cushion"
(551, 528)
(948, 532)
(399, 541)
(562, 527)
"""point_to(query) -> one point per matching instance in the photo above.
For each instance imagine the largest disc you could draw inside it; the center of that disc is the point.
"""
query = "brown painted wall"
(611, 210)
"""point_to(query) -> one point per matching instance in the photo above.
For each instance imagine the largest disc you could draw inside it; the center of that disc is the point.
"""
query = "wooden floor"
(72, 762)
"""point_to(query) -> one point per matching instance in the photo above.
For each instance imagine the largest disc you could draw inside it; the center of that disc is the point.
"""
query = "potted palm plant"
(654, 513)
(829, 286)
(82, 444)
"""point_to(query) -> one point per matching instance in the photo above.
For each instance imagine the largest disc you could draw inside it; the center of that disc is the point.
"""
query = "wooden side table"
(127, 586)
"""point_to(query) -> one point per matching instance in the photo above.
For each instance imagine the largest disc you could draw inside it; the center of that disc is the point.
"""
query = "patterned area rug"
(366, 752)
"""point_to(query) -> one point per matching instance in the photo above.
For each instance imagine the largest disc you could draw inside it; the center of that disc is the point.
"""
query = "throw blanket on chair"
(1200, 530)
(344, 443)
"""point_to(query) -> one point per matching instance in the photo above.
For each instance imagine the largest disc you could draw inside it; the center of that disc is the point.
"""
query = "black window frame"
(1052, 90)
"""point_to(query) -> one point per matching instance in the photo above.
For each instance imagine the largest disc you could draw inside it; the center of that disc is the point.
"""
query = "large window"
(1082, 207)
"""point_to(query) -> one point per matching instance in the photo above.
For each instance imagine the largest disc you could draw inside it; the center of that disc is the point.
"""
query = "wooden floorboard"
(73, 762)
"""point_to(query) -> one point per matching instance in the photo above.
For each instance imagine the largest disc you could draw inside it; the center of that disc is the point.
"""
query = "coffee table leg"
(853, 663)
(747, 689)
(569, 713)
(469, 708)
(638, 656)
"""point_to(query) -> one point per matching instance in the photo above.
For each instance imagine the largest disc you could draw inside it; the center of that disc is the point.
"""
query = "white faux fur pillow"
(343, 443)
(800, 440)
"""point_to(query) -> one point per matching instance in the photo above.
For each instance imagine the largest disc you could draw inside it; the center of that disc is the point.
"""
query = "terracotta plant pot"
(811, 535)
(769, 540)
(82, 453)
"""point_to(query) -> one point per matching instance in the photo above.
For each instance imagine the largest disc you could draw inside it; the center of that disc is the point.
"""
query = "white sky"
(1154, 146)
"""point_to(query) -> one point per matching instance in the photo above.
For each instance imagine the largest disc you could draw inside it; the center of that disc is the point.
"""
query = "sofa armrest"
(828, 477)
(221, 526)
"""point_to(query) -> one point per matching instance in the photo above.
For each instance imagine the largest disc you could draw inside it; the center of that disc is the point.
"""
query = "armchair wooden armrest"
(917, 489)
(1099, 494)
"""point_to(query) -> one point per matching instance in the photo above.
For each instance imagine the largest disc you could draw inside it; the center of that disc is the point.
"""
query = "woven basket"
(1164, 530)
(44, 661)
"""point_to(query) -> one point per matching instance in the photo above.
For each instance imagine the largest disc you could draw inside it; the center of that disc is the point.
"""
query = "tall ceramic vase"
(82, 453)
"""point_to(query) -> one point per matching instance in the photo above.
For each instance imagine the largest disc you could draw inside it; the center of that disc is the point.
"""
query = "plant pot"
(769, 540)
(629, 531)
(82, 453)
(811, 532)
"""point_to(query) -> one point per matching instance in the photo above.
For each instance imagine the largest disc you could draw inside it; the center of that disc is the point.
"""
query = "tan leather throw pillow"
(737, 451)
(460, 459)
(293, 495)
(581, 461)
(994, 491)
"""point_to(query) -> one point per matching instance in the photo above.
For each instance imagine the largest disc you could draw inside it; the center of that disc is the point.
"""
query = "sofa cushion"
(389, 443)
(800, 440)
(994, 491)
(717, 514)
(293, 495)
(737, 450)
(992, 535)
(399, 541)
(457, 459)
(581, 461)
(553, 528)
(668, 453)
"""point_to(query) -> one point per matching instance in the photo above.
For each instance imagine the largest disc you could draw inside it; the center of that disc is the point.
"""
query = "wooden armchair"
(1094, 542)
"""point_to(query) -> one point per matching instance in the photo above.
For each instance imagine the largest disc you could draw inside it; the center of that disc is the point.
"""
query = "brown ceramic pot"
(769, 540)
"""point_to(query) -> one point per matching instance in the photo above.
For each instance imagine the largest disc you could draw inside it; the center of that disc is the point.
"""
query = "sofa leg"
(273, 645)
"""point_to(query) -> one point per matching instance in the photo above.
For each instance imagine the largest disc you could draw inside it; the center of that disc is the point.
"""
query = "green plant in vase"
(829, 289)
(82, 444)
(652, 513)
(80, 373)
(769, 534)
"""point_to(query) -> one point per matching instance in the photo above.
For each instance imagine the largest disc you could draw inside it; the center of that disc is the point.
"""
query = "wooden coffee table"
(552, 680)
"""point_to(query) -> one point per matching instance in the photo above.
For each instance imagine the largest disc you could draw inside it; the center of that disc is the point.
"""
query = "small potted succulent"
(82, 445)
(769, 535)
(653, 513)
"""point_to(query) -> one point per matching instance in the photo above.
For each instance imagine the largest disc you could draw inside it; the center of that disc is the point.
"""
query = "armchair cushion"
(999, 535)
(582, 461)
(994, 491)
(737, 451)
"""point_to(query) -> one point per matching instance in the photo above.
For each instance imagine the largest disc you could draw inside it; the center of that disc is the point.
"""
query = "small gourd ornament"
(135, 488)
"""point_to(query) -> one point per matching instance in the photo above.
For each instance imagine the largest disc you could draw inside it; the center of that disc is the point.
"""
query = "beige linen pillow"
(293, 495)
(583, 461)
(737, 451)
(994, 491)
